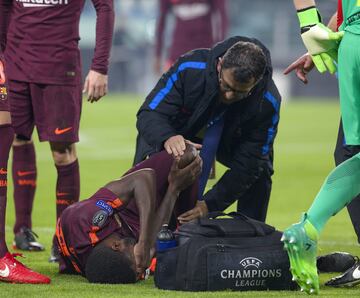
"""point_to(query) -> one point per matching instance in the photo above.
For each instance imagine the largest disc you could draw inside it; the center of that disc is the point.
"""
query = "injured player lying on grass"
(109, 238)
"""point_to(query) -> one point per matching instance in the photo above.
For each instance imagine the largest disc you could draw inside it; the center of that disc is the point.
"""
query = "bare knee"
(63, 153)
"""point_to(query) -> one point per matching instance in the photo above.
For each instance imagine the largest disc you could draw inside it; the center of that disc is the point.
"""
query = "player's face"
(125, 245)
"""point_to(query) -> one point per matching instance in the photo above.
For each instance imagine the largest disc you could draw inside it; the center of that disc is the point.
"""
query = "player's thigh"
(21, 108)
(57, 111)
(349, 86)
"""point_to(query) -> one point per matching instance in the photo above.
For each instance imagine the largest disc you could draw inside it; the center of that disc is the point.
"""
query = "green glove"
(320, 41)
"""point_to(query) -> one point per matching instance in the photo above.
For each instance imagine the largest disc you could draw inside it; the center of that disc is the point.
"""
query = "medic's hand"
(302, 66)
(96, 85)
(320, 41)
(199, 210)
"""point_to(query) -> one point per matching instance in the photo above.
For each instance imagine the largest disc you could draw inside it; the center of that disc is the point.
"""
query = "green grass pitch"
(303, 157)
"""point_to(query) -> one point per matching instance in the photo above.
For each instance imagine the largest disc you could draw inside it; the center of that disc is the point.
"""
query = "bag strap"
(258, 226)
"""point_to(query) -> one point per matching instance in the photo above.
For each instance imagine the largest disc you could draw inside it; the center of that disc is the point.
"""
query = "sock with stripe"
(6, 139)
(24, 176)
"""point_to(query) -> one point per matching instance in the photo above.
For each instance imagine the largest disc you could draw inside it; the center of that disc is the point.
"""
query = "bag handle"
(237, 215)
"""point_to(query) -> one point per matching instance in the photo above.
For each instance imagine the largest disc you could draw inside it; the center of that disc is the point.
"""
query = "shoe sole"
(24, 282)
(32, 249)
(305, 280)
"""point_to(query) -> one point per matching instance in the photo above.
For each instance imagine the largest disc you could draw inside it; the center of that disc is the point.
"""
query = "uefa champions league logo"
(250, 262)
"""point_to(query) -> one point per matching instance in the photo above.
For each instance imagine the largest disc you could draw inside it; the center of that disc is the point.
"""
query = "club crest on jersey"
(43, 3)
(102, 204)
(3, 93)
(99, 218)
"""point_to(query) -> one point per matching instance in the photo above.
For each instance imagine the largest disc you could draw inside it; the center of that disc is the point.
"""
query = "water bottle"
(165, 239)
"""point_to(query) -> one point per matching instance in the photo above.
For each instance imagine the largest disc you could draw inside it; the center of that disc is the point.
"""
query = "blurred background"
(271, 21)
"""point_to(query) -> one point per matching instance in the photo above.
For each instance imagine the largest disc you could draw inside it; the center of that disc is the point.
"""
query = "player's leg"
(23, 166)
(57, 111)
(11, 270)
(341, 186)
(6, 137)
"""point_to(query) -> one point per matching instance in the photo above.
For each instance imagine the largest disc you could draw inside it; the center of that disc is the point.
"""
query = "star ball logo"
(43, 3)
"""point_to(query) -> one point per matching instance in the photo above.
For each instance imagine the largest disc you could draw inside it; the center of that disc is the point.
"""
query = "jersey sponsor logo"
(43, 3)
(3, 171)
(191, 11)
(25, 173)
(99, 218)
(5, 272)
(59, 131)
(104, 206)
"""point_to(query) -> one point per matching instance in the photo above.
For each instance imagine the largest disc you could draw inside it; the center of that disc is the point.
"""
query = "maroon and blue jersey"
(42, 39)
(198, 24)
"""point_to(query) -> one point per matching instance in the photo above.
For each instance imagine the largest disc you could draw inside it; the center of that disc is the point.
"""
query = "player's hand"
(320, 41)
(200, 210)
(197, 146)
(2, 73)
(322, 44)
(142, 258)
(302, 66)
(96, 85)
(181, 179)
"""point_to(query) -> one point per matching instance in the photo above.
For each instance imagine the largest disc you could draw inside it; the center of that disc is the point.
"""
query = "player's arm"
(96, 82)
(5, 9)
(164, 8)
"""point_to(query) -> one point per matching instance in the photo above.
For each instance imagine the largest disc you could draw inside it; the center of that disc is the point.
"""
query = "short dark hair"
(105, 265)
(247, 61)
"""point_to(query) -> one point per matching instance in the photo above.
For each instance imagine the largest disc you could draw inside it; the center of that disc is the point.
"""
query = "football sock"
(340, 187)
(6, 139)
(24, 177)
(67, 186)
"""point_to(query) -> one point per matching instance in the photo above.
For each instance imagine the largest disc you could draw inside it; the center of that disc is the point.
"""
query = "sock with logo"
(67, 186)
(6, 139)
(24, 176)
(339, 189)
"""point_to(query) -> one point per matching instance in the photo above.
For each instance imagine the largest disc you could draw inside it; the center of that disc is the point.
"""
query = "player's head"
(240, 69)
(112, 261)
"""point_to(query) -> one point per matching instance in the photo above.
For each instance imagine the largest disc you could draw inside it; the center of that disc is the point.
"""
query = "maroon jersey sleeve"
(104, 32)
(163, 11)
(5, 8)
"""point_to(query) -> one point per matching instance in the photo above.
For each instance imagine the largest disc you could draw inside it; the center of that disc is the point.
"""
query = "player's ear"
(116, 245)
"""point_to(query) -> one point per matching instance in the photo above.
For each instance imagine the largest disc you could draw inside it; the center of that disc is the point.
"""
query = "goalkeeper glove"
(320, 41)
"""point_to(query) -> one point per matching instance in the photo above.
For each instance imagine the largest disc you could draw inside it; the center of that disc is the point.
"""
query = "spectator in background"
(198, 24)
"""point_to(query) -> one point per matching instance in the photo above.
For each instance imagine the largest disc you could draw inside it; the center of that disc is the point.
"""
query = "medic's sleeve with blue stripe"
(158, 98)
(275, 120)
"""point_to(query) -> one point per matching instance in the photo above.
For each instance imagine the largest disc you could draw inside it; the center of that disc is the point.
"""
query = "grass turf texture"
(303, 157)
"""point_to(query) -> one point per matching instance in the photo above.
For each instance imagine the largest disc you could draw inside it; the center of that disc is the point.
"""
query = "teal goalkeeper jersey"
(351, 8)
